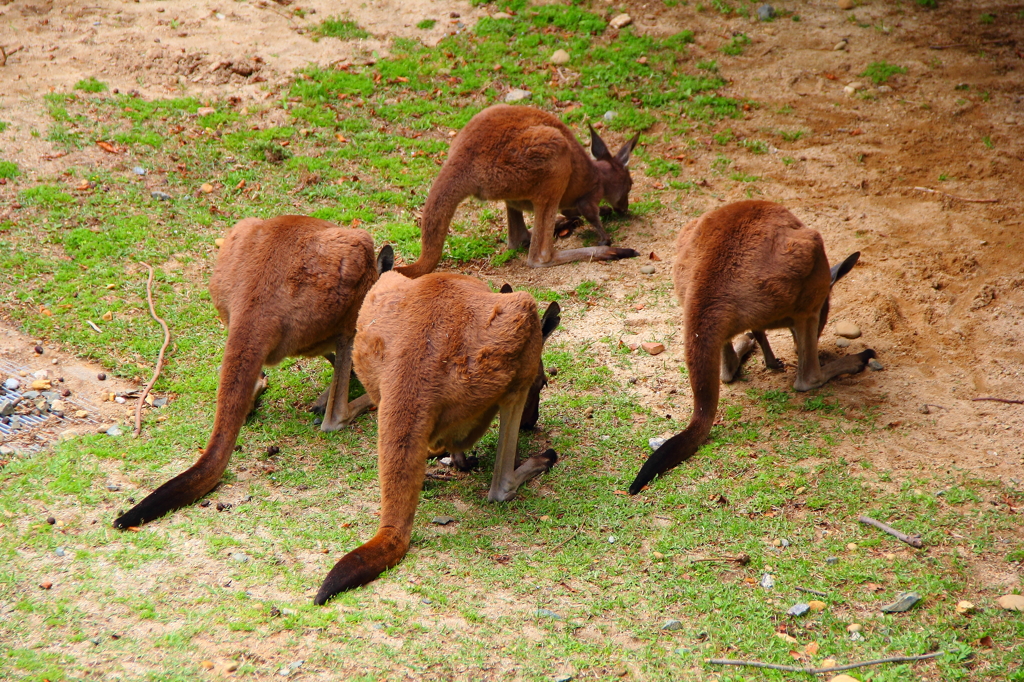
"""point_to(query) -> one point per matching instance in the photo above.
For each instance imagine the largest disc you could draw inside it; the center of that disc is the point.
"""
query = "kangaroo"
(750, 265)
(290, 285)
(440, 356)
(530, 160)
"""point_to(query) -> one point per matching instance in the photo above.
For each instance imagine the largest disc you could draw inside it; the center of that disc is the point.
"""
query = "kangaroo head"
(839, 270)
(615, 179)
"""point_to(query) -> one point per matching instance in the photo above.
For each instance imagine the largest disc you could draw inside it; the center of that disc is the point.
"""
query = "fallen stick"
(93, 325)
(912, 540)
(809, 591)
(160, 358)
(953, 196)
(4, 54)
(1002, 400)
(818, 671)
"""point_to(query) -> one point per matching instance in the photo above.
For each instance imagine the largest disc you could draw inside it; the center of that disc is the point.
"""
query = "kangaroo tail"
(402, 464)
(703, 358)
(243, 359)
(446, 194)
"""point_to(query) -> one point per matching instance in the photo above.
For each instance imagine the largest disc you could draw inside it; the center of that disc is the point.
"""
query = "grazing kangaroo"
(290, 285)
(530, 160)
(747, 266)
(441, 356)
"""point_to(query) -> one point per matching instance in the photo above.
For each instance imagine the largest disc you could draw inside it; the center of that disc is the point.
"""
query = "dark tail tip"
(363, 564)
(672, 452)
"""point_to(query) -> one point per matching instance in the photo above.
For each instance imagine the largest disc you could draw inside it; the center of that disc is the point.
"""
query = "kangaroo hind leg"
(733, 355)
(339, 411)
(509, 475)
(770, 361)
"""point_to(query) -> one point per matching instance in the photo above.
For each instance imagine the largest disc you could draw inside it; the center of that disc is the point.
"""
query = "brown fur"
(286, 286)
(440, 356)
(530, 160)
(747, 266)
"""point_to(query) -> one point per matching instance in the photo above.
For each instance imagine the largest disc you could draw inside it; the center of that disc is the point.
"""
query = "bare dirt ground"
(938, 290)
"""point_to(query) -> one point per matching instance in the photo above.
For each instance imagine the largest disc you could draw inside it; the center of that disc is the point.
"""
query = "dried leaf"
(106, 146)
(811, 649)
(654, 256)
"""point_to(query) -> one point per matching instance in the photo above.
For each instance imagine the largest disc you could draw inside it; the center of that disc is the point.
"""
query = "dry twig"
(809, 591)
(953, 196)
(160, 358)
(912, 540)
(4, 54)
(818, 671)
(1002, 400)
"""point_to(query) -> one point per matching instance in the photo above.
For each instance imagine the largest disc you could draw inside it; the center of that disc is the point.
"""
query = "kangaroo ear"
(627, 149)
(840, 269)
(597, 146)
(551, 319)
(506, 288)
(385, 259)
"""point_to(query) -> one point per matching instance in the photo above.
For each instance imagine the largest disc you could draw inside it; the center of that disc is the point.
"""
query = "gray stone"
(798, 609)
(442, 520)
(30, 395)
(765, 12)
(59, 551)
(290, 669)
(610, 115)
(517, 95)
(6, 407)
(656, 443)
(767, 581)
(832, 561)
(159, 402)
(160, 196)
(565, 677)
(113, 487)
(114, 431)
(875, 365)
(51, 395)
(239, 557)
(139, 170)
(672, 624)
(904, 602)
(648, 269)
(547, 613)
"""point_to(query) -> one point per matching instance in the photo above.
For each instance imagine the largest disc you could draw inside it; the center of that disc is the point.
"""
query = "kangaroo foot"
(530, 469)
(463, 463)
(566, 225)
(319, 405)
(262, 384)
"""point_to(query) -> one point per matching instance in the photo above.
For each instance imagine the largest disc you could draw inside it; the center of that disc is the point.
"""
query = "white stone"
(852, 88)
(517, 95)
(621, 21)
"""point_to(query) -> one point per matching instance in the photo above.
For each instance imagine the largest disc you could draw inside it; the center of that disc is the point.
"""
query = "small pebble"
(114, 431)
(843, 343)
(12, 384)
(547, 613)
(798, 609)
(884, 89)
(427, 601)
(653, 348)
(800, 491)
(160, 196)
(39, 350)
(206, 665)
(612, 539)
(817, 605)
(852, 88)
(564, 677)
(273, 450)
(841, 45)
(845, 4)
(658, 556)
(648, 269)
(672, 624)
(101, 376)
(59, 551)
(560, 57)
(765, 12)
(206, 188)
(832, 561)
(843, 677)
(851, 546)
(113, 487)
(442, 520)
(620, 21)
(610, 115)
(656, 443)
(848, 330)
(50, 520)
(223, 506)
(231, 667)
(517, 95)
(240, 557)
(767, 581)
(854, 627)
(875, 365)
(46, 585)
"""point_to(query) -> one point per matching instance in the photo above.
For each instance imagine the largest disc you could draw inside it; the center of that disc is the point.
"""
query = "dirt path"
(938, 290)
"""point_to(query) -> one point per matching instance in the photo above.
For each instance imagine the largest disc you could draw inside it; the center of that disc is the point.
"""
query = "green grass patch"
(342, 29)
(9, 170)
(881, 71)
(90, 84)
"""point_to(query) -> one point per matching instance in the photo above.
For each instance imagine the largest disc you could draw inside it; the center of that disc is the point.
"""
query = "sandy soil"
(938, 290)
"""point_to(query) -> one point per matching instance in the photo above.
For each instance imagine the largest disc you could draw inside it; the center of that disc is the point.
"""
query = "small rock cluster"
(27, 398)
